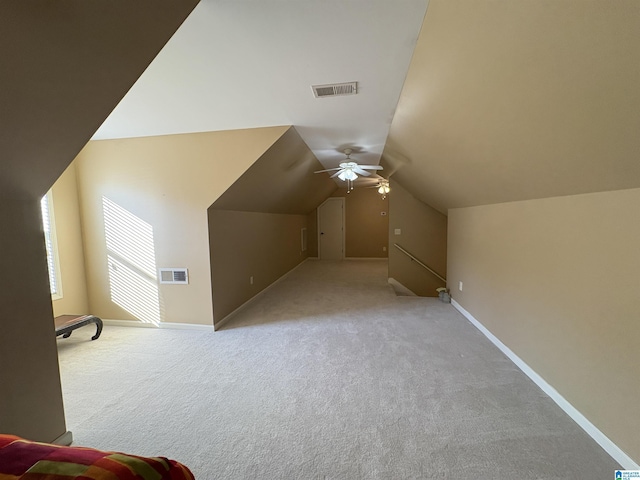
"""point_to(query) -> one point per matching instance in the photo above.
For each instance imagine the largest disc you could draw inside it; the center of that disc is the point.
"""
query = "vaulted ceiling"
(247, 63)
(508, 101)
(499, 101)
(65, 66)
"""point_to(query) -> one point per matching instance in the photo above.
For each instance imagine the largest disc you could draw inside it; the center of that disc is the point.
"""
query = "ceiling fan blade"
(371, 167)
(327, 170)
(359, 171)
(335, 174)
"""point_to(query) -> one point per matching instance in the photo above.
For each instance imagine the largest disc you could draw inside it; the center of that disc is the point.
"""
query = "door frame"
(332, 199)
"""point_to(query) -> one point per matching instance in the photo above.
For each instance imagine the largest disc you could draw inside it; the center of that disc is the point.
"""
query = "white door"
(331, 229)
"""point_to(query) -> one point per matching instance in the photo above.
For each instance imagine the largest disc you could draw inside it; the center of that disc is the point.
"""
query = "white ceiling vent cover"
(178, 276)
(335, 89)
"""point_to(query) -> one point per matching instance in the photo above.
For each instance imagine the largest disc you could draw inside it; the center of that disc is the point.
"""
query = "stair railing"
(420, 263)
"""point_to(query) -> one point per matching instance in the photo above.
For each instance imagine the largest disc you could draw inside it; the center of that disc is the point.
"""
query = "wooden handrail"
(420, 263)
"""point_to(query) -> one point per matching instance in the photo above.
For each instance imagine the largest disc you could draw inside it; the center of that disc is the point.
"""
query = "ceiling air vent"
(335, 89)
(174, 275)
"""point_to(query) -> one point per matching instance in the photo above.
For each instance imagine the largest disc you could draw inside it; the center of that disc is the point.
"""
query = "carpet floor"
(328, 375)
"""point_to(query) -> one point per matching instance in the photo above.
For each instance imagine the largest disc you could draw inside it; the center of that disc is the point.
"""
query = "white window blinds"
(49, 236)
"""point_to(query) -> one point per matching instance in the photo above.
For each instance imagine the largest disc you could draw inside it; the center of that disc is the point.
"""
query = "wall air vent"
(174, 275)
(335, 89)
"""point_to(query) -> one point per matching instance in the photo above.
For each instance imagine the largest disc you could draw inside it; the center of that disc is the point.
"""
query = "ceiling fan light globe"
(350, 175)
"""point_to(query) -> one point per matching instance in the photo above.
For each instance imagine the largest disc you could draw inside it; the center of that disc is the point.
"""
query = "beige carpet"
(328, 375)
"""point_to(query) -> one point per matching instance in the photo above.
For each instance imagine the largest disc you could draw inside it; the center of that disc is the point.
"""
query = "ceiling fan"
(383, 187)
(349, 170)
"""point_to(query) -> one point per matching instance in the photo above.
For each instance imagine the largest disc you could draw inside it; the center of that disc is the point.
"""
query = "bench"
(65, 324)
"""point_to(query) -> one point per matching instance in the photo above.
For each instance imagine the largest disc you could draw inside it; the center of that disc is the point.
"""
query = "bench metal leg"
(98, 323)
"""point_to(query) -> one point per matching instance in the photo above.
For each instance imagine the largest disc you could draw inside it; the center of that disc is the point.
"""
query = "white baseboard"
(257, 295)
(163, 325)
(398, 287)
(601, 439)
(65, 439)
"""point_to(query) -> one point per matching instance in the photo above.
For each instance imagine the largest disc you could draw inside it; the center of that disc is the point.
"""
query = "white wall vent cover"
(174, 275)
(335, 89)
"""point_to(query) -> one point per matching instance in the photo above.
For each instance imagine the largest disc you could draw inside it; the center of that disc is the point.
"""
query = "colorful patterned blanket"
(24, 460)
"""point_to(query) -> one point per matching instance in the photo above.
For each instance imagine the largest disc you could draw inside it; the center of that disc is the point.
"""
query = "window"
(48, 224)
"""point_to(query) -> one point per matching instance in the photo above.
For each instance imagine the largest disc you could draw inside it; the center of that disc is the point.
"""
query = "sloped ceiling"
(246, 63)
(280, 181)
(65, 66)
(510, 100)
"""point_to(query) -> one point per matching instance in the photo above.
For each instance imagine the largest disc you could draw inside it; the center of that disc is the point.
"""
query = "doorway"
(331, 229)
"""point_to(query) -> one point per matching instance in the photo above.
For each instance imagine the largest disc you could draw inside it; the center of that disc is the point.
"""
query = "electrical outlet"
(251, 280)
(397, 231)
(460, 286)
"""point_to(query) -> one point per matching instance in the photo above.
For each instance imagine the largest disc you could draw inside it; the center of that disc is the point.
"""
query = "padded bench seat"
(21, 459)
(65, 324)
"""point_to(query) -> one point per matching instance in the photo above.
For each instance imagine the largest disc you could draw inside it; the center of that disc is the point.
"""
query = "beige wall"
(423, 234)
(66, 211)
(312, 233)
(366, 230)
(255, 225)
(31, 397)
(556, 280)
(280, 181)
(245, 244)
(166, 183)
(60, 80)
